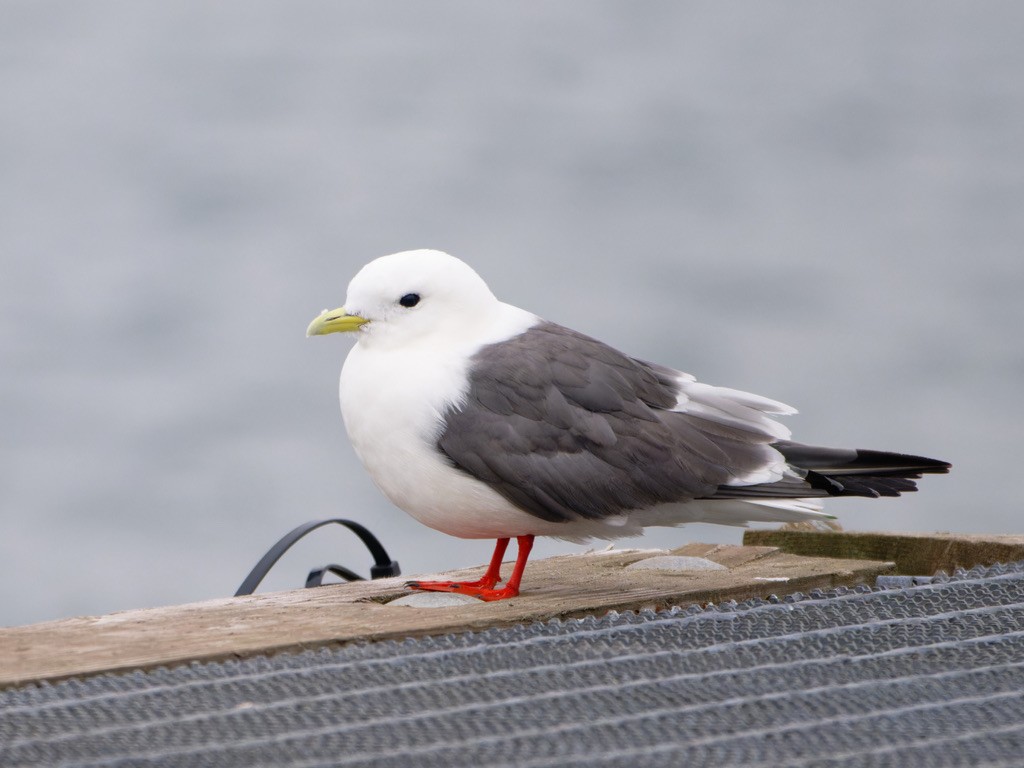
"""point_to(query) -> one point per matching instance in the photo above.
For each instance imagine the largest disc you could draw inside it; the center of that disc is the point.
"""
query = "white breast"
(393, 403)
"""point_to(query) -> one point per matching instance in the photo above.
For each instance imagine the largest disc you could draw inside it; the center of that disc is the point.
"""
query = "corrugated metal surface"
(931, 675)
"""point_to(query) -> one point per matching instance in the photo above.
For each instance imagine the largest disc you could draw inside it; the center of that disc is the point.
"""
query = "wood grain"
(915, 554)
(558, 587)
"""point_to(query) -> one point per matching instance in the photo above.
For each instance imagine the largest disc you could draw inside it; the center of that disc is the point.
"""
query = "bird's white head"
(400, 298)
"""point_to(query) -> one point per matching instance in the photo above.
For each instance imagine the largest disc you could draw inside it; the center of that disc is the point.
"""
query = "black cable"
(316, 576)
(382, 567)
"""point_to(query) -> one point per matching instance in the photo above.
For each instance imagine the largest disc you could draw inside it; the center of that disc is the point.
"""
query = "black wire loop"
(316, 576)
(382, 567)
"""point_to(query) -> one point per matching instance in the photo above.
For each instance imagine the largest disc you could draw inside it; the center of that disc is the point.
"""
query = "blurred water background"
(819, 202)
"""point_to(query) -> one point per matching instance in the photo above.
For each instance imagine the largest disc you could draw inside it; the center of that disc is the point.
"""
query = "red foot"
(476, 589)
(483, 588)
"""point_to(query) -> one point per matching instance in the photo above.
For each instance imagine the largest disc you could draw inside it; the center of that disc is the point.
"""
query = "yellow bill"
(335, 321)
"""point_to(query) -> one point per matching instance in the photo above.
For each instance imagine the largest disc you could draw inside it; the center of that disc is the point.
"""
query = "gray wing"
(565, 427)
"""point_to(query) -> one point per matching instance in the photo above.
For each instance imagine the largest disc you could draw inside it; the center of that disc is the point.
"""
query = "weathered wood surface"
(915, 554)
(558, 587)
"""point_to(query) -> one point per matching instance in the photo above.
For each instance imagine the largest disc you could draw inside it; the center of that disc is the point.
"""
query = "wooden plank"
(558, 587)
(917, 554)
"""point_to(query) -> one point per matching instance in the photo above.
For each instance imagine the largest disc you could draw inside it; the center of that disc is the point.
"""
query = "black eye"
(409, 300)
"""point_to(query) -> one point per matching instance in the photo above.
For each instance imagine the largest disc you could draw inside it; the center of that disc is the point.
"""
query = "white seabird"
(481, 420)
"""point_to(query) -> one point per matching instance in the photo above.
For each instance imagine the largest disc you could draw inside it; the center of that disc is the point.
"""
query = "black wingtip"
(859, 472)
(904, 463)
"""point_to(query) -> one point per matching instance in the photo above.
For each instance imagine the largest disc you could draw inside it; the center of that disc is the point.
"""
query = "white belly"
(394, 429)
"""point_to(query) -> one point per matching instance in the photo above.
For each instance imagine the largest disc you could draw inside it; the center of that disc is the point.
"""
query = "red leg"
(511, 588)
(484, 588)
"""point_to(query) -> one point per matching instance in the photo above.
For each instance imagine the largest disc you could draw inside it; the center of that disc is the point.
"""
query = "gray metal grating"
(930, 675)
